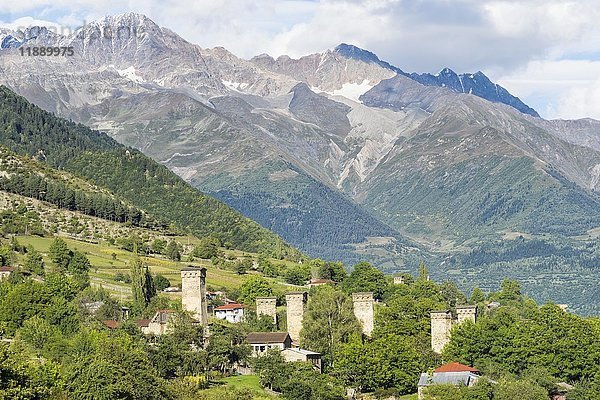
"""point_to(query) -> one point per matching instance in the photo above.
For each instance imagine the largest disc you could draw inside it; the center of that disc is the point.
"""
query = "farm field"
(108, 260)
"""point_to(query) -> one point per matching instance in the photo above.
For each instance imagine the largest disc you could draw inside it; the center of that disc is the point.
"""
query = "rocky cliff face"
(476, 84)
(343, 154)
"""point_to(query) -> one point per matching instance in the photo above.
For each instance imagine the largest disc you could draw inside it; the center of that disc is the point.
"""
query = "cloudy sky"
(547, 52)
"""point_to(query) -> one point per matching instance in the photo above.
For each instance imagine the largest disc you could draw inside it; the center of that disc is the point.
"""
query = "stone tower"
(295, 312)
(193, 293)
(363, 309)
(465, 313)
(267, 306)
(441, 324)
(398, 280)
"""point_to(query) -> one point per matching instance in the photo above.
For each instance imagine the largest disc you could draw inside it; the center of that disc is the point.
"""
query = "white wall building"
(233, 313)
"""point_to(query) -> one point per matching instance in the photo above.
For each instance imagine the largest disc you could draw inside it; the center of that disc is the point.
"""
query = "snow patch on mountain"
(595, 173)
(130, 74)
(353, 91)
(349, 90)
(235, 86)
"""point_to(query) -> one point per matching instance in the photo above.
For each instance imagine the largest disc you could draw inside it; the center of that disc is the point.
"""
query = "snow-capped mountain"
(341, 153)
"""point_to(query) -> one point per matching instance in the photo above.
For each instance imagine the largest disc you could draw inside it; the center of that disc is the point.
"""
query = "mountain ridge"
(343, 156)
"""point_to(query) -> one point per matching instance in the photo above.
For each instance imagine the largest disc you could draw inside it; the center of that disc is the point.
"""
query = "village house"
(296, 354)
(261, 342)
(160, 324)
(5, 272)
(319, 282)
(233, 313)
(453, 373)
(561, 391)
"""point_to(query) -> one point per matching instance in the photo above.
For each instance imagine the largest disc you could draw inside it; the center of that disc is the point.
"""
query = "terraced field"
(108, 260)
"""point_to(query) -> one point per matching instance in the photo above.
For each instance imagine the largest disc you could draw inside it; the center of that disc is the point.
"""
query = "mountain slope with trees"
(28, 130)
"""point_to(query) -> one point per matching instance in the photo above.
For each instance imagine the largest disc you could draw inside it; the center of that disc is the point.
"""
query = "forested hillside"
(281, 196)
(30, 178)
(126, 172)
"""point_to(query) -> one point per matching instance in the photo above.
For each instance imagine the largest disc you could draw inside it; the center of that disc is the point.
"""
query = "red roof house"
(456, 367)
(231, 306)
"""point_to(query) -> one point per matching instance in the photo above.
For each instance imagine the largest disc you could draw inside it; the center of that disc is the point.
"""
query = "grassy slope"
(104, 267)
(244, 382)
(26, 129)
(92, 237)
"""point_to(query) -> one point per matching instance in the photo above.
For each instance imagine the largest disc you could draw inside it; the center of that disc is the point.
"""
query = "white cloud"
(565, 89)
(26, 22)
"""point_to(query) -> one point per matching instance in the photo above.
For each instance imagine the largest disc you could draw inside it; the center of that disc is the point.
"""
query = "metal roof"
(453, 378)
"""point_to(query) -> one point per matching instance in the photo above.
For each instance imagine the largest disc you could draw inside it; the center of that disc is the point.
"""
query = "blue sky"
(545, 51)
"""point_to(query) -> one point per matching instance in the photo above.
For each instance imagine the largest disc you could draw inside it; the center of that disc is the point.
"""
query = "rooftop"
(453, 378)
(456, 367)
(111, 324)
(267, 337)
(303, 351)
(233, 306)
(142, 323)
(7, 269)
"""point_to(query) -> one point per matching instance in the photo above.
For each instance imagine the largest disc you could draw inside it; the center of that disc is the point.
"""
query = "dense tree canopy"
(329, 321)
(366, 278)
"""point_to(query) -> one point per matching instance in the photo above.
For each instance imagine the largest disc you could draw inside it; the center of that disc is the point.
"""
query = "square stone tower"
(363, 309)
(295, 313)
(465, 313)
(193, 293)
(441, 324)
(267, 306)
(398, 280)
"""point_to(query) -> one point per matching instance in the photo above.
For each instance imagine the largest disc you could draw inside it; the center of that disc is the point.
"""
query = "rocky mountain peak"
(130, 20)
(33, 34)
(356, 53)
(120, 29)
(446, 72)
(351, 51)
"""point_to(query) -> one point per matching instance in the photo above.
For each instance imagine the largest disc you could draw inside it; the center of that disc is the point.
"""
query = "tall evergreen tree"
(142, 286)
(173, 251)
(34, 261)
(60, 254)
(423, 272)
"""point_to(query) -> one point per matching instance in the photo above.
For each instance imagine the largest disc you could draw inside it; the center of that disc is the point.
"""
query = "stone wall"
(466, 313)
(295, 313)
(193, 293)
(363, 309)
(267, 306)
(441, 324)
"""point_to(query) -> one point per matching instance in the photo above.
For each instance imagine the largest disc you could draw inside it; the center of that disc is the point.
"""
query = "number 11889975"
(46, 51)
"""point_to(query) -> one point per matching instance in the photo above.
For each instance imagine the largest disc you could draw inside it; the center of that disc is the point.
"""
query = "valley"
(333, 148)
